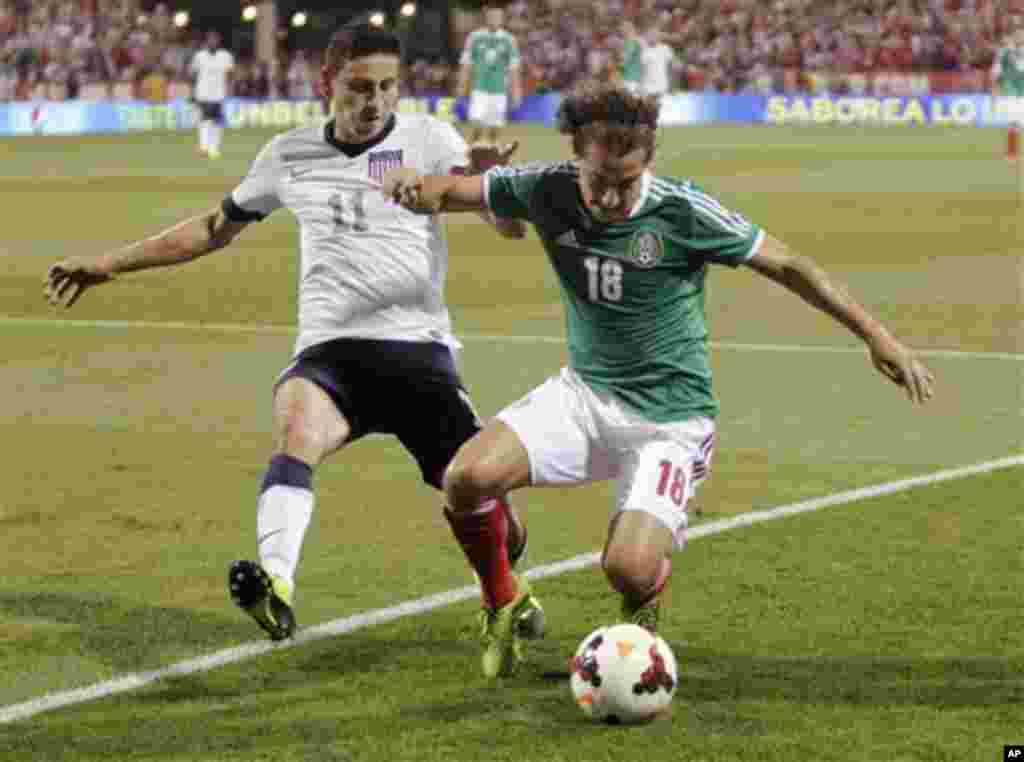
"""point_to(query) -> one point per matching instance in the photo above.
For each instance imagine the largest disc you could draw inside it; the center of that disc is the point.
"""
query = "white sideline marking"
(286, 330)
(49, 702)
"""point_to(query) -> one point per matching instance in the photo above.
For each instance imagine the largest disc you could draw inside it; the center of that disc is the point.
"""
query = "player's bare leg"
(308, 427)
(636, 560)
(486, 468)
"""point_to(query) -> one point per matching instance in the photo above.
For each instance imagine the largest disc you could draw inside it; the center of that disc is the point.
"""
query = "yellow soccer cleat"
(502, 632)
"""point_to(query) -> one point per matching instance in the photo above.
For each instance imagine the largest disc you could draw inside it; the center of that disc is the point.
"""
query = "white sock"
(215, 135)
(282, 517)
(204, 136)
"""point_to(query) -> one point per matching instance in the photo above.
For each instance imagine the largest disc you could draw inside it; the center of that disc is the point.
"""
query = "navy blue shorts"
(408, 389)
(211, 111)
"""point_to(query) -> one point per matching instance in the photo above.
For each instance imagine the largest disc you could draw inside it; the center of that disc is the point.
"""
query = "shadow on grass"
(122, 634)
(383, 691)
(708, 675)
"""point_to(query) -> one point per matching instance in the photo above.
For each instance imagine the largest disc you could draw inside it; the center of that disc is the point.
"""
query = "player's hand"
(483, 156)
(899, 365)
(404, 186)
(66, 281)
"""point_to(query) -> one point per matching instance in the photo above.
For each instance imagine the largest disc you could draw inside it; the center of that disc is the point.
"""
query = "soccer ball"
(623, 674)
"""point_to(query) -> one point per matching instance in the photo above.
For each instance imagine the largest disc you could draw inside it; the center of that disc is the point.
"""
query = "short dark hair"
(611, 115)
(358, 39)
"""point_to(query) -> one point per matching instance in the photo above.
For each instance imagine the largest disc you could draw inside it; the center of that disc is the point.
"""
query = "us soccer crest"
(647, 249)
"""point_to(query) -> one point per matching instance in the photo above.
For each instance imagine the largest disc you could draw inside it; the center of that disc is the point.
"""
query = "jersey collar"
(645, 188)
(352, 150)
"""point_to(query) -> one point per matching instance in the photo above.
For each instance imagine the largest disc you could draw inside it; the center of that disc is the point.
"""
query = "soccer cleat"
(645, 615)
(501, 634)
(531, 621)
(266, 598)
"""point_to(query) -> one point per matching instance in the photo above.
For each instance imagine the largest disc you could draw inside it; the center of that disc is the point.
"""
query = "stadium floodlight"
(250, 12)
(408, 9)
(377, 18)
(300, 19)
(181, 19)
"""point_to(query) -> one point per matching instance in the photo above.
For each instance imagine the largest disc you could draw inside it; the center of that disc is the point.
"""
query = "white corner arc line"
(287, 330)
(49, 702)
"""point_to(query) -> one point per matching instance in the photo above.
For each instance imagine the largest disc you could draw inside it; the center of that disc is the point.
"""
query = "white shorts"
(575, 435)
(1015, 109)
(488, 109)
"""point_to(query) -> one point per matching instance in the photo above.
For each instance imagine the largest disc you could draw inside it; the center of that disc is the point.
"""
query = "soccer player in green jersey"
(1008, 81)
(632, 58)
(631, 251)
(489, 75)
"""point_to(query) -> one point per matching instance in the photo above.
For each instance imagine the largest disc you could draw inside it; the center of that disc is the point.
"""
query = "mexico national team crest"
(383, 161)
(647, 249)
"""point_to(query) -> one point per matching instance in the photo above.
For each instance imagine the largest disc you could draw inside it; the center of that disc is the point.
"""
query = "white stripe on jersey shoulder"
(537, 168)
(702, 203)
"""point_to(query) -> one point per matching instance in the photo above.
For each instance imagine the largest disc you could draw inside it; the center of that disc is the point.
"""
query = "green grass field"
(135, 438)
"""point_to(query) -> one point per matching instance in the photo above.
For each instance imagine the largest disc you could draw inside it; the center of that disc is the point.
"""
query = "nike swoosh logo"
(267, 536)
(297, 173)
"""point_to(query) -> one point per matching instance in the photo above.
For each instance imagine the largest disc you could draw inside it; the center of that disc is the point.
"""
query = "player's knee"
(467, 482)
(301, 439)
(632, 570)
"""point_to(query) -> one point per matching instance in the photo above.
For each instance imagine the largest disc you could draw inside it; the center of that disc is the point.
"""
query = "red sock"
(1012, 141)
(483, 536)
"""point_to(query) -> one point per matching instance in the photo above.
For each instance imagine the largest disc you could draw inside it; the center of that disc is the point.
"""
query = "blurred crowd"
(60, 49)
(739, 45)
(123, 48)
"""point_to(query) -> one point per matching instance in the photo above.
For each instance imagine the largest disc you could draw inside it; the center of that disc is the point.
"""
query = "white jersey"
(211, 70)
(657, 63)
(370, 269)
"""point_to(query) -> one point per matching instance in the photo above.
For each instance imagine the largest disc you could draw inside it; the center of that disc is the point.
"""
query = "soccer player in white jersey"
(632, 252)
(212, 67)
(375, 350)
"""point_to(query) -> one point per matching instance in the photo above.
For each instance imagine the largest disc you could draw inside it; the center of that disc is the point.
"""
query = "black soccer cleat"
(265, 598)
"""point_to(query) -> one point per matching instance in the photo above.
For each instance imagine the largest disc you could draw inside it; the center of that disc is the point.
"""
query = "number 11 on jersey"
(349, 211)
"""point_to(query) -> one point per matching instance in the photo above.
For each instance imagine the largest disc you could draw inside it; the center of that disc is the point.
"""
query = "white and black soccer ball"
(623, 674)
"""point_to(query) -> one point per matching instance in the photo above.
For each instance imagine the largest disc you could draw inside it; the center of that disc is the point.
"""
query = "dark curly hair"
(357, 39)
(612, 116)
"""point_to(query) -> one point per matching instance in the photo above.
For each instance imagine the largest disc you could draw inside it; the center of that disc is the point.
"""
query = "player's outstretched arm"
(431, 194)
(483, 156)
(807, 280)
(190, 239)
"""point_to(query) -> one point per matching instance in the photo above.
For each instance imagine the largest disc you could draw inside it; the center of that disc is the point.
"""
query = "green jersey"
(632, 60)
(1008, 71)
(492, 55)
(634, 291)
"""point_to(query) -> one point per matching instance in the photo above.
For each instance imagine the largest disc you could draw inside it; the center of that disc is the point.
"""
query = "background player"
(636, 402)
(631, 58)
(1008, 81)
(375, 351)
(657, 58)
(212, 67)
(489, 75)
